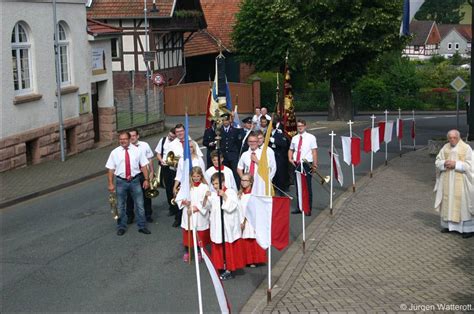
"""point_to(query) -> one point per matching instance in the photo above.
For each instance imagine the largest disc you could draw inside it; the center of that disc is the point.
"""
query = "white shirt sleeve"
(111, 164)
(313, 143)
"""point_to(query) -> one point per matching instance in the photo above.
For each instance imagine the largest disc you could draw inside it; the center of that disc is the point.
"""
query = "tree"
(443, 12)
(329, 39)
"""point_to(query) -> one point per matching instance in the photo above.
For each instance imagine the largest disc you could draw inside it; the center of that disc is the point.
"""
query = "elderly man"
(454, 186)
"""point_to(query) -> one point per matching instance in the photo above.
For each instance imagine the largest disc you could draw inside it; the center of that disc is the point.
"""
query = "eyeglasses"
(242, 180)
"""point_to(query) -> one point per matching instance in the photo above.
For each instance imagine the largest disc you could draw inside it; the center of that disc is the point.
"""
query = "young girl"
(199, 214)
(232, 231)
(253, 253)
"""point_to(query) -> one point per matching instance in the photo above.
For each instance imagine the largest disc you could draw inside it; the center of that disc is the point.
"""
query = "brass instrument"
(113, 205)
(173, 200)
(155, 183)
(172, 160)
(324, 179)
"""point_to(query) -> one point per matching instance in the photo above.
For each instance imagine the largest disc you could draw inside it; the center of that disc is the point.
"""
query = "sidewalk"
(25, 183)
(381, 251)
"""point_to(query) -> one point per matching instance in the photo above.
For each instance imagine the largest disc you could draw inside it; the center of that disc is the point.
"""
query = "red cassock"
(203, 238)
(233, 252)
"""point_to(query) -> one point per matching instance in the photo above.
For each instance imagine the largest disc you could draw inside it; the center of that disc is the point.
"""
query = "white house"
(29, 131)
(455, 38)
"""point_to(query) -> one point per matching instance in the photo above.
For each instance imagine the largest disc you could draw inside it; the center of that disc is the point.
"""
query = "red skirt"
(233, 252)
(253, 253)
(203, 238)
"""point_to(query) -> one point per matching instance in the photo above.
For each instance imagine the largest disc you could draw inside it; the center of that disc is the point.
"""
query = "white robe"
(455, 201)
(199, 219)
(248, 232)
(196, 162)
(232, 217)
(228, 178)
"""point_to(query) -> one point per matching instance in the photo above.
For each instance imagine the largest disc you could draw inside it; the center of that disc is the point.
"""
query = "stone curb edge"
(293, 259)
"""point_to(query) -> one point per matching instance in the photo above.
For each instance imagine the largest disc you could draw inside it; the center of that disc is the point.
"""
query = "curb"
(293, 260)
(23, 198)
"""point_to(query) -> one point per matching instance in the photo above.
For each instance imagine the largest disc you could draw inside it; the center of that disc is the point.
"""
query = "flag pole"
(196, 264)
(302, 212)
(352, 165)
(398, 126)
(189, 237)
(371, 146)
(386, 144)
(332, 134)
(413, 132)
(269, 291)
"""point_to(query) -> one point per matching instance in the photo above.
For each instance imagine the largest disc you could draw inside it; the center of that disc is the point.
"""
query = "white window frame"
(450, 46)
(64, 43)
(456, 46)
(18, 46)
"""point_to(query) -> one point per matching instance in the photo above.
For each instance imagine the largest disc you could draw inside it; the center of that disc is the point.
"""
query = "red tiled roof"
(96, 28)
(220, 19)
(107, 9)
(463, 30)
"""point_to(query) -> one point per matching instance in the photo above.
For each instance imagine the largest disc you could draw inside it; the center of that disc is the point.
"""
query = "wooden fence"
(194, 95)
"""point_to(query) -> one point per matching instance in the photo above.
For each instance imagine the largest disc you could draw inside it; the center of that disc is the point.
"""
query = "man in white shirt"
(167, 177)
(248, 163)
(304, 147)
(146, 150)
(126, 163)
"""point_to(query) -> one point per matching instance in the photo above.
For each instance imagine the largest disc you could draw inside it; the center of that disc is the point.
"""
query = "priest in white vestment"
(455, 186)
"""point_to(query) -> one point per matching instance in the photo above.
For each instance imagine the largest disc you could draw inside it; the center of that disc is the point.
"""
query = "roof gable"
(424, 32)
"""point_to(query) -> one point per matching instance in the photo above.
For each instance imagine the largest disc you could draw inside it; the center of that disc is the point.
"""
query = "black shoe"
(296, 212)
(467, 235)
(144, 231)
(129, 220)
(149, 219)
(444, 230)
(175, 224)
(120, 232)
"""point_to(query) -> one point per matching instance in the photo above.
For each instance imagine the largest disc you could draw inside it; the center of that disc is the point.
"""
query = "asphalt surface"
(59, 252)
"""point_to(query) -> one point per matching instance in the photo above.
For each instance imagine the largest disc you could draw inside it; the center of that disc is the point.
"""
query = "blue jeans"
(133, 188)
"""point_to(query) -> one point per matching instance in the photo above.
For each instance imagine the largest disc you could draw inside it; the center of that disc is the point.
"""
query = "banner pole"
(414, 132)
(371, 148)
(399, 139)
(352, 165)
(332, 134)
(386, 144)
(198, 272)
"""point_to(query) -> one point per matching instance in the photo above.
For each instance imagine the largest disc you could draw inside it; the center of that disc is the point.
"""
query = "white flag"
(388, 132)
(337, 171)
(259, 214)
(346, 149)
(375, 139)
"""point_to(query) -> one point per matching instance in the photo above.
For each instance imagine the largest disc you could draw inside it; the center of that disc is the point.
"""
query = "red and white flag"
(216, 281)
(413, 131)
(388, 132)
(399, 129)
(351, 150)
(381, 131)
(371, 140)
(337, 171)
(303, 193)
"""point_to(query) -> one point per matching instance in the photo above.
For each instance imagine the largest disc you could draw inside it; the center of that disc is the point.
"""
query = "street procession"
(237, 156)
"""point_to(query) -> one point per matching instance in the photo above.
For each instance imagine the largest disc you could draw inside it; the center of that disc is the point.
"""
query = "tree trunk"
(340, 106)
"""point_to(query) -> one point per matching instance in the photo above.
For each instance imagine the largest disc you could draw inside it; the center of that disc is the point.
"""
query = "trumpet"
(172, 160)
(155, 183)
(173, 200)
(324, 179)
(113, 205)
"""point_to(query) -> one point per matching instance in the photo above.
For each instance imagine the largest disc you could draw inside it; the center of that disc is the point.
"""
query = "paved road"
(59, 252)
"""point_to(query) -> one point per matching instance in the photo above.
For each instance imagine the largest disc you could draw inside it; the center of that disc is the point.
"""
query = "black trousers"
(168, 178)
(146, 202)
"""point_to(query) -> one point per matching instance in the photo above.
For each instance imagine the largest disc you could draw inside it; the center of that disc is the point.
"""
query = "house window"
(116, 50)
(64, 67)
(417, 48)
(21, 60)
(456, 46)
(450, 46)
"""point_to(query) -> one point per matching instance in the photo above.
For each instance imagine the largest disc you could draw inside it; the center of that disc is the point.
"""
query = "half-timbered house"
(425, 41)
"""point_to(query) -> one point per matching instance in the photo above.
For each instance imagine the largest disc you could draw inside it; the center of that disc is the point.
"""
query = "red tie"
(252, 165)
(128, 170)
(298, 152)
(182, 143)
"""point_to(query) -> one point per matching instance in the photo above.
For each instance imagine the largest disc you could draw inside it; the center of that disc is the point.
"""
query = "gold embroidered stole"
(458, 188)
